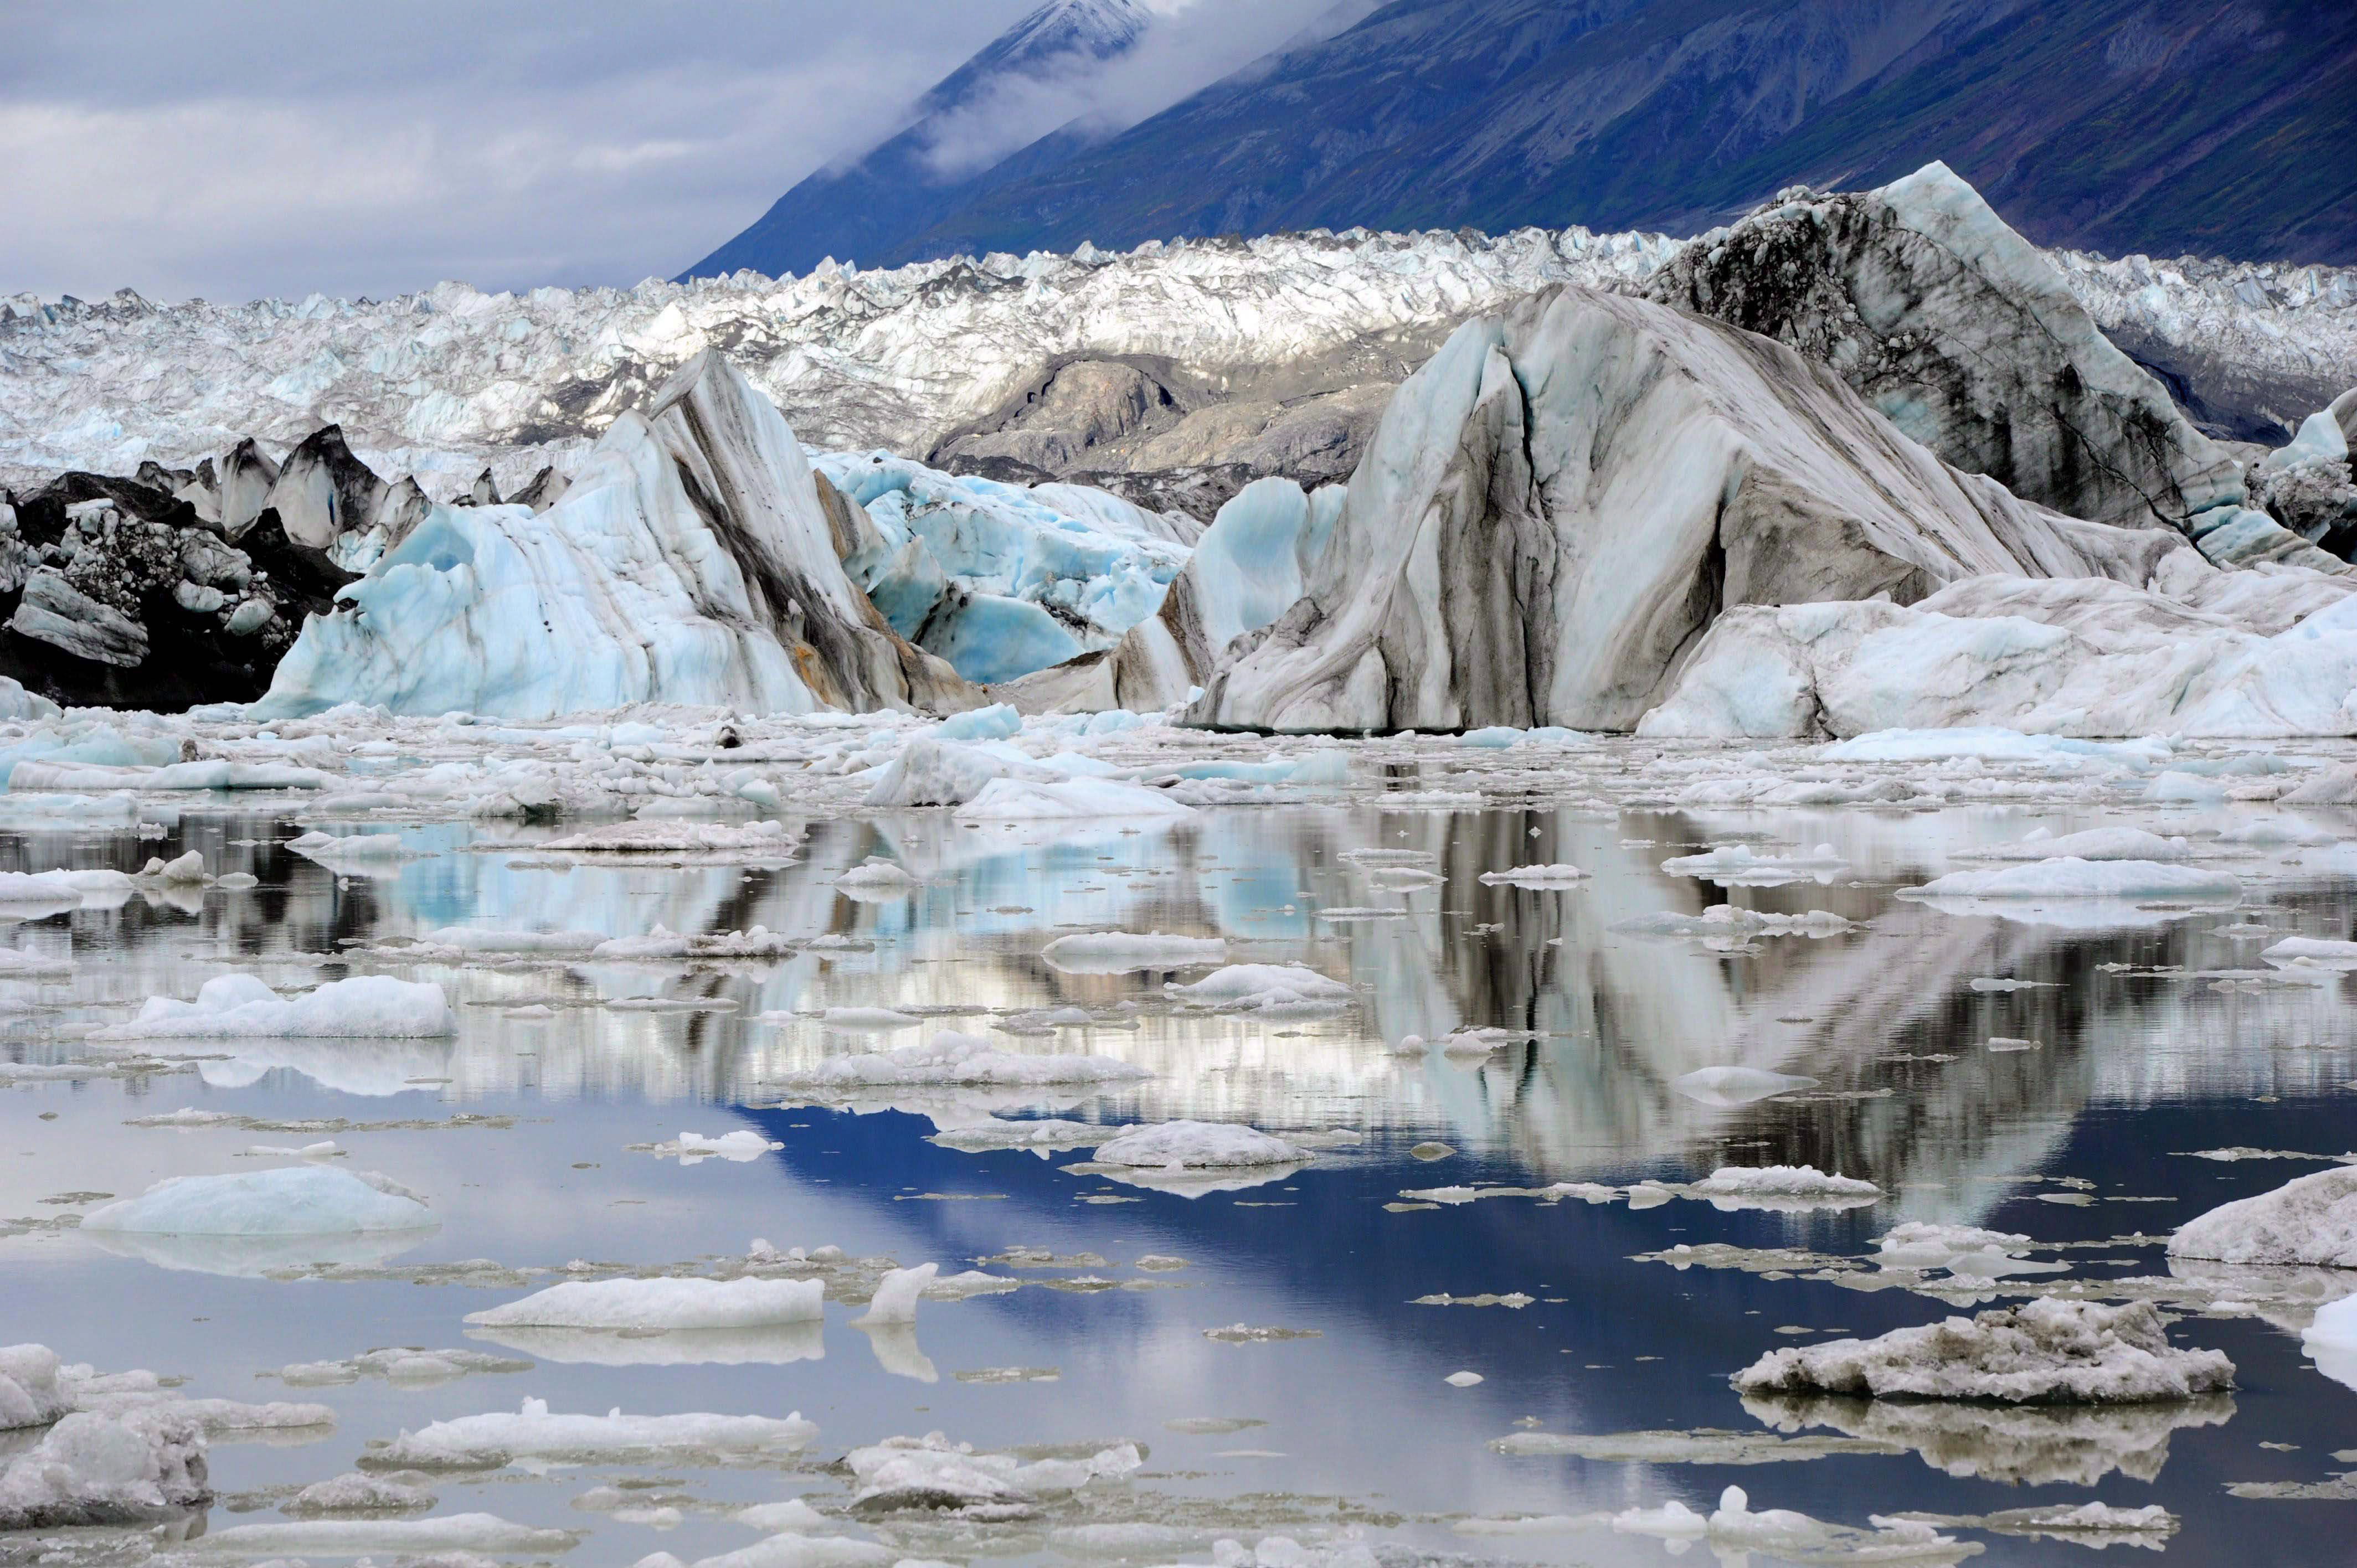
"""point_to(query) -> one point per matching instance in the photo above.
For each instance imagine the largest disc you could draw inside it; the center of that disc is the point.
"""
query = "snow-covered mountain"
(1273, 353)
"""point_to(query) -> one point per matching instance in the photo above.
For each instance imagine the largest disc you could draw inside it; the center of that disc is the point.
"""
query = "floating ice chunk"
(1462, 1380)
(897, 1293)
(30, 1391)
(2312, 951)
(354, 1493)
(876, 874)
(496, 1438)
(234, 1006)
(90, 1469)
(1734, 866)
(793, 1514)
(997, 722)
(661, 1304)
(1555, 875)
(1196, 1145)
(410, 1366)
(2311, 1221)
(2045, 1352)
(953, 1058)
(454, 1533)
(297, 1200)
(741, 1145)
(184, 871)
(1728, 1087)
(1123, 952)
(1963, 1249)
(1047, 1133)
(1272, 989)
(1785, 1187)
(2068, 876)
(2268, 831)
(356, 850)
(2095, 844)
(932, 1473)
(46, 891)
(2330, 1340)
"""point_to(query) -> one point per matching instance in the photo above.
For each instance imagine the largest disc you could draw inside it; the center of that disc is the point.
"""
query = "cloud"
(182, 148)
(1190, 45)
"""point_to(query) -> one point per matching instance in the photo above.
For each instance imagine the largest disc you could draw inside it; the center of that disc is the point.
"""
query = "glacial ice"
(497, 1438)
(998, 579)
(2069, 876)
(298, 1200)
(2044, 1352)
(237, 1007)
(1196, 1145)
(631, 588)
(2073, 658)
(2330, 1340)
(142, 1466)
(2312, 1219)
(1530, 438)
(649, 1305)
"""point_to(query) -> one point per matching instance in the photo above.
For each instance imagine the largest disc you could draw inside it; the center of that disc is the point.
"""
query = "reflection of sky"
(2133, 1065)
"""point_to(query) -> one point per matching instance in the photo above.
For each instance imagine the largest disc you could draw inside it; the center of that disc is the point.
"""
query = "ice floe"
(2045, 1352)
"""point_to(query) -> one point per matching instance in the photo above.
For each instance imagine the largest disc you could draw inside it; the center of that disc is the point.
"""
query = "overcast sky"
(185, 147)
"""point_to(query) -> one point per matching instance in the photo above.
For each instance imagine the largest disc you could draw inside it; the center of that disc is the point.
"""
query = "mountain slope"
(2124, 125)
(906, 185)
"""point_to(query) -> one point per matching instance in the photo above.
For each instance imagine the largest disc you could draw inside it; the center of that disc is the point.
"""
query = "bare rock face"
(1558, 505)
(1969, 339)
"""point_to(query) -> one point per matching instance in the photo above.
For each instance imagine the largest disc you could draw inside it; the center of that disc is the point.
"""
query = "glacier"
(443, 382)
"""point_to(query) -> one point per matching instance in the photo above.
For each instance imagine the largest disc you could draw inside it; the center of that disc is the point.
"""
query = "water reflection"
(2154, 1034)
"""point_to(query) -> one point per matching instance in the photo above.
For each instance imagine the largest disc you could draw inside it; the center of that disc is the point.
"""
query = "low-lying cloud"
(182, 148)
(1189, 45)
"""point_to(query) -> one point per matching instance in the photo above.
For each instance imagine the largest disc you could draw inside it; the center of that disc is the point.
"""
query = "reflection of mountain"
(1618, 1016)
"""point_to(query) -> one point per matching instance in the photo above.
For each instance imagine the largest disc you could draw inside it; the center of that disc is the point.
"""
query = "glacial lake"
(2153, 1034)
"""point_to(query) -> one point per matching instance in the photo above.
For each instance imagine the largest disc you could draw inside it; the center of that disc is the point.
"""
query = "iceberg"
(688, 561)
(998, 579)
(652, 1305)
(2046, 1352)
(2311, 1220)
(300, 1200)
(1513, 550)
(2194, 653)
(1967, 338)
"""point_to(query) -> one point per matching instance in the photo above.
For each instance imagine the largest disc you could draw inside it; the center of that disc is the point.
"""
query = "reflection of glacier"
(1615, 1017)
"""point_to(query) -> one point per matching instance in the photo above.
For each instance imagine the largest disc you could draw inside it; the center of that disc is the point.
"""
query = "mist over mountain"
(2163, 126)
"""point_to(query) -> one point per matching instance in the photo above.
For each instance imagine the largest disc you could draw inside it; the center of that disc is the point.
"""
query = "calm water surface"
(519, 1133)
